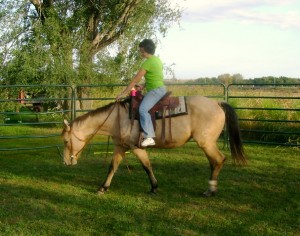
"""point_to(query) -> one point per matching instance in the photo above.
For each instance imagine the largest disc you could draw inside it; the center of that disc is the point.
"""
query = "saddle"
(166, 103)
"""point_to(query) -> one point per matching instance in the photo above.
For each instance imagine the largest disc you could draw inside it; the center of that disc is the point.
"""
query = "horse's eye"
(65, 142)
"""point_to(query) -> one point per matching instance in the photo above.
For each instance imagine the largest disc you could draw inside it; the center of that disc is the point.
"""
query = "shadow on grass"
(39, 194)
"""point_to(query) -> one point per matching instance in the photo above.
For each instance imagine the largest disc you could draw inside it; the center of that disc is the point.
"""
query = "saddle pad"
(178, 111)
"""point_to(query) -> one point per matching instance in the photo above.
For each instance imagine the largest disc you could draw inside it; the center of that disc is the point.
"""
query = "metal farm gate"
(28, 112)
(268, 114)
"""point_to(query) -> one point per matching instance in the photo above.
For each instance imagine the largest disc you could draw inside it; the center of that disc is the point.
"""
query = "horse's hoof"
(153, 192)
(209, 193)
(100, 193)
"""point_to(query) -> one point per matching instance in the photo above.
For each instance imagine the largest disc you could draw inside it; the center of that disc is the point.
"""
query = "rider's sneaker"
(148, 142)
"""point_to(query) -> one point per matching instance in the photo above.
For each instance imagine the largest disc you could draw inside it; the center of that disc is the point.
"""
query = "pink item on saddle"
(133, 92)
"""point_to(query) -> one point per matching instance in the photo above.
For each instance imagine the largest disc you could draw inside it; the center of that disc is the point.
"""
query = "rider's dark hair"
(148, 46)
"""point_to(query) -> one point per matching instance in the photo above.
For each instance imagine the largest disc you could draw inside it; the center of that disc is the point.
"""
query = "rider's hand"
(118, 98)
(139, 87)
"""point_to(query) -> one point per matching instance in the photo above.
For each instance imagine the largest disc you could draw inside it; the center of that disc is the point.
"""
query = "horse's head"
(72, 145)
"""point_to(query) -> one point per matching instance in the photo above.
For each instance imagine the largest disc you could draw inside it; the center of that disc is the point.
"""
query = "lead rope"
(107, 147)
(121, 140)
(119, 126)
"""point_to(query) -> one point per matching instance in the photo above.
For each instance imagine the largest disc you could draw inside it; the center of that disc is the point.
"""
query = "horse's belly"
(176, 132)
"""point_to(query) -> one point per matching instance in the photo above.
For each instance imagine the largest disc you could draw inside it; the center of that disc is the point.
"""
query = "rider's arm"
(139, 75)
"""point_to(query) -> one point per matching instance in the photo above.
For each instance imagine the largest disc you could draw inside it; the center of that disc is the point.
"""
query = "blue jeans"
(149, 100)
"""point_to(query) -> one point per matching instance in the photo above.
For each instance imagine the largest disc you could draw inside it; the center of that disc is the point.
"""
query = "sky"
(254, 38)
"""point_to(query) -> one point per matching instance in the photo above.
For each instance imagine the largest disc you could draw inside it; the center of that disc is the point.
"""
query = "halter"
(94, 132)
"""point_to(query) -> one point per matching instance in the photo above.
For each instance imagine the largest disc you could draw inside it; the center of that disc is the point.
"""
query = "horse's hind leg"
(143, 157)
(216, 161)
(118, 155)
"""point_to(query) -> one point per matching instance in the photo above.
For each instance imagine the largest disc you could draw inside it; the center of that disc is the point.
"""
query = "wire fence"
(268, 114)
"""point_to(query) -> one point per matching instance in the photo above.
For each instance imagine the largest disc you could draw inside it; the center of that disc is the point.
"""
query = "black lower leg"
(152, 180)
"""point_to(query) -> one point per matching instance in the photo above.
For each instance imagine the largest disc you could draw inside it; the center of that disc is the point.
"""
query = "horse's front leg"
(143, 157)
(119, 153)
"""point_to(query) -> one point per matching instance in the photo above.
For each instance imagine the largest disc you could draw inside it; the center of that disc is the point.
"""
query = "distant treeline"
(239, 79)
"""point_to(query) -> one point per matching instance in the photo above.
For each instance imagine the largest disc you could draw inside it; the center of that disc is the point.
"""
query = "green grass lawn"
(40, 196)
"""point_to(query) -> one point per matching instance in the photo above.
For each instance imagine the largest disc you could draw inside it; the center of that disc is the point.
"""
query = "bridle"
(117, 103)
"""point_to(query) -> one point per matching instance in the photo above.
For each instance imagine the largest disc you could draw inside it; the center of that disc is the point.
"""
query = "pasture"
(40, 196)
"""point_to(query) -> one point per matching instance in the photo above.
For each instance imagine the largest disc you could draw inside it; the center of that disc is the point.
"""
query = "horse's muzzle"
(72, 161)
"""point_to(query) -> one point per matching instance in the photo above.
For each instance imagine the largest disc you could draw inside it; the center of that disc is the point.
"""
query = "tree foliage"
(227, 79)
(77, 42)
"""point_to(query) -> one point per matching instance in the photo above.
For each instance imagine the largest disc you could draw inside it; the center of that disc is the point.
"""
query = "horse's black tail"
(233, 130)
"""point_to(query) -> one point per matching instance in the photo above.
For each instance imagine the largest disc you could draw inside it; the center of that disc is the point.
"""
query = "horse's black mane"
(124, 103)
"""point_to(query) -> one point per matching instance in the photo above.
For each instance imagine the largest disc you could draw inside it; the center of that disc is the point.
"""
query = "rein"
(95, 131)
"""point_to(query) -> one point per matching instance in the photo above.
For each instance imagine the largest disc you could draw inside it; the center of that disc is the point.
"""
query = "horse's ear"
(67, 125)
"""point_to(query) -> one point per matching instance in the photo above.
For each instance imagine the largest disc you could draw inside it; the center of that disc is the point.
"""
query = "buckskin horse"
(204, 122)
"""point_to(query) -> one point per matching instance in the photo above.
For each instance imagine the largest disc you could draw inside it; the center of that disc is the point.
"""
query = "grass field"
(40, 196)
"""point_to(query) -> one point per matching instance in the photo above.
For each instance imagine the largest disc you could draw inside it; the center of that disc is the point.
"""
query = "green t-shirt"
(154, 73)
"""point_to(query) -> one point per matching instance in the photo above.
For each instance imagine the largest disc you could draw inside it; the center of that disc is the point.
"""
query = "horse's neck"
(100, 123)
(111, 123)
(117, 123)
(103, 123)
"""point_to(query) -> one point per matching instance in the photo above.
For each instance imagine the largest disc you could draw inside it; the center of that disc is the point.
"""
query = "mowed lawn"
(41, 196)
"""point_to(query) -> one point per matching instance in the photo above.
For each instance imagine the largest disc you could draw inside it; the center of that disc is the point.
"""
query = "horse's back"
(207, 118)
(204, 123)
(201, 107)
